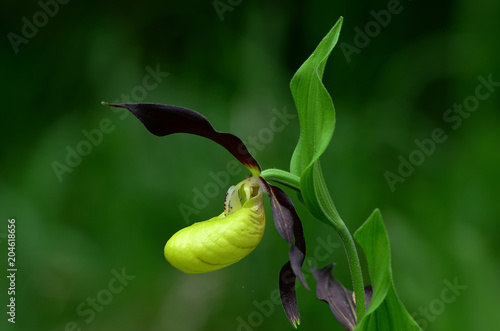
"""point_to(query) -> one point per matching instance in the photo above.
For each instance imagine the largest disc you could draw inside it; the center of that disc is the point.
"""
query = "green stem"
(355, 268)
(282, 177)
(331, 216)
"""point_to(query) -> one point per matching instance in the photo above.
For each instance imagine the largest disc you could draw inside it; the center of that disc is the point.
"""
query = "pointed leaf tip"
(288, 295)
(296, 323)
(314, 105)
(386, 309)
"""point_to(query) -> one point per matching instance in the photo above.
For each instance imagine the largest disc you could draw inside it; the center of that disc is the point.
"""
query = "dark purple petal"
(288, 295)
(337, 296)
(340, 299)
(288, 224)
(162, 120)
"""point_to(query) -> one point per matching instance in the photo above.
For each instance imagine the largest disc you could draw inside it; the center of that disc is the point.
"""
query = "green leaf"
(314, 105)
(317, 123)
(316, 197)
(386, 312)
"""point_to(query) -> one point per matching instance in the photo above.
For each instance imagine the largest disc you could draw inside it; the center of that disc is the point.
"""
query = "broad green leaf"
(314, 105)
(386, 312)
(317, 123)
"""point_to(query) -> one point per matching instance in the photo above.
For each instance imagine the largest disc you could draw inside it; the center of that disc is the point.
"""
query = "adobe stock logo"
(264, 309)
(30, 28)
(372, 29)
(94, 137)
(103, 298)
(436, 307)
(220, 180)
(225, 6)
(427, 146)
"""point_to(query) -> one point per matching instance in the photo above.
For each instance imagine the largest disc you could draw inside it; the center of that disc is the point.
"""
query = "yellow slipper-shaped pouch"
(224, 239)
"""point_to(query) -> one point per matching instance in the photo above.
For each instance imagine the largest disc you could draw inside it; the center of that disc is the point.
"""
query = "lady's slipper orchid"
(224, 239)
(227, 238)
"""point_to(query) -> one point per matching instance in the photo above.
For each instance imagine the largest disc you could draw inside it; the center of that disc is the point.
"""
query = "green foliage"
(317, 123)
(314, 105)
(442, 221)
(386, 312)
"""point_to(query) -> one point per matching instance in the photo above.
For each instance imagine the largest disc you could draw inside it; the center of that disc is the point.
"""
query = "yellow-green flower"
(224, 239)
(227, 238)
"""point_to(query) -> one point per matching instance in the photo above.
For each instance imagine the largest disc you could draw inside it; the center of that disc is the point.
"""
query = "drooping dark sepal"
(162, 120)
(289, 226)
(288, 295)
(341, 300)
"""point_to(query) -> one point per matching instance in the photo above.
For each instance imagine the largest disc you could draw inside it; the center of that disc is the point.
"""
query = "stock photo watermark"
(220, 180)
(222, 7)
(453, 116)
(11, 270)
(265, 308)
(89, 308)
(30, 27)
(363, 37)
(94, 137)
(437, 307)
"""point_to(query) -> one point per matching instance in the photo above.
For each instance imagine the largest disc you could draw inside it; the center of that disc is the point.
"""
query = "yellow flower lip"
(224, 239)
(227, 238)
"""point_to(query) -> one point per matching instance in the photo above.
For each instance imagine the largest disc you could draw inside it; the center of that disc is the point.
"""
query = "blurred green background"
(113, 211)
